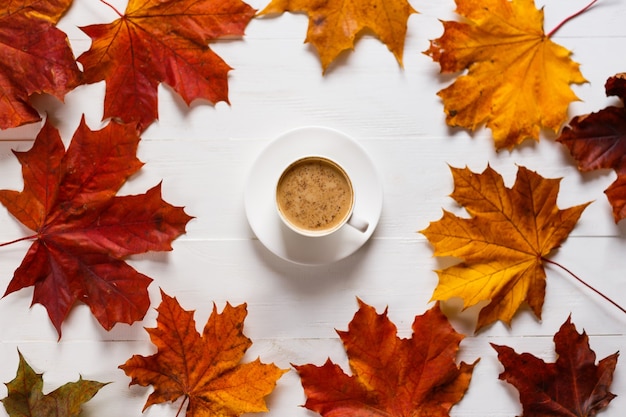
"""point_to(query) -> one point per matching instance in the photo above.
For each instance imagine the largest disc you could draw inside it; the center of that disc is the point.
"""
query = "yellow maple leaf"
(517, 79)
(335, 25)
(503, 244)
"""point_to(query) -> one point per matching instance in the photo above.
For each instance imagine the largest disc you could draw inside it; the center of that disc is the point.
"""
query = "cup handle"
(358, 223)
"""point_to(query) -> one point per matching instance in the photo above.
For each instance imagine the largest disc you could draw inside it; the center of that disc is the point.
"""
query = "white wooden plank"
(203, 155)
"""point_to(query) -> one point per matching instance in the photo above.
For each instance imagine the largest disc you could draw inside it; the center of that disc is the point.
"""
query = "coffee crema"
(314, 194)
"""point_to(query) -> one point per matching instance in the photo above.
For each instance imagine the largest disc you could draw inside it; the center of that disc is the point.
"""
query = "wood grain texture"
(203, 155)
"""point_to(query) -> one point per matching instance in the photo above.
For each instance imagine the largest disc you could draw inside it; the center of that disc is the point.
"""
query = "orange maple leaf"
(204, 369)
(518, 80)
(504, 243)
(392, 377)
(36, 58)
(334, 26)
(162, 41)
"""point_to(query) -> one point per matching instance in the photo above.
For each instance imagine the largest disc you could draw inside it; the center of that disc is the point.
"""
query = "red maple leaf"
(161, 41)
(598, 141)
(83, 230)
(36, 58)
(572, 386)
(390, 376)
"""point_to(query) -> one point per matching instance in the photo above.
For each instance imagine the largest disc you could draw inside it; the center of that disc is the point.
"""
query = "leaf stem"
(584, 283)
(112, 7)
(18, 240)
(182, 404)
(567, 19)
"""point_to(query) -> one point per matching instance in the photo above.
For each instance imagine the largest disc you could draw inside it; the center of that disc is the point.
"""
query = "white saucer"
(259, 197)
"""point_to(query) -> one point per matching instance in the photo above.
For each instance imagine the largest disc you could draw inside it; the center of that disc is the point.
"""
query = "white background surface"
(203, 155)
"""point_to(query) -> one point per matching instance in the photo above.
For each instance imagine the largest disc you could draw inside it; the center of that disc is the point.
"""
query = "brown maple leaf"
(159, 41)
(36, 58)
(598, 140)
(517, 79)
(334, 26)
(572, 386)
(204, 369)
(503, 245)
(83, 230)
(26, 399)
(391, 376)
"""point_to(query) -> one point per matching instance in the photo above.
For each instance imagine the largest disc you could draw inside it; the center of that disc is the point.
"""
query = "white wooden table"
(203, 156)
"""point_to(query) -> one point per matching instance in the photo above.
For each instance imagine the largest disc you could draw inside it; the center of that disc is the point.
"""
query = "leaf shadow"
(620, 228)
(512, 394)
(585, 177)
(283, 390)
(342, 60)
(24, 133)
(168, 94)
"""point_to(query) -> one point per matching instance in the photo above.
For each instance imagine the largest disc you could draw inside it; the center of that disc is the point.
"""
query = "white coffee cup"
(315, 197)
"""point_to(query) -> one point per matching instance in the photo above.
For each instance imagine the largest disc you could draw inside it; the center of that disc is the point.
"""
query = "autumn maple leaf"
(504, 243)
(517, 79)
(36, 58)
(161, 41)
(334, 26)
(572, 386)
(391, 376)
(204, 369)
(26, 399)
(598, 140)
(83, 231)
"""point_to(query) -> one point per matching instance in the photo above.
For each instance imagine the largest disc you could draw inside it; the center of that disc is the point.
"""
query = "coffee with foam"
(314, 195)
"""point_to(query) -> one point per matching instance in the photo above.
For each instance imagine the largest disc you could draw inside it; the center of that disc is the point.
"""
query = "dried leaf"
(504, 242)
(83, 230)
(49, 10)
(517, 79)
(204, 369)
(598, 141)
(391, 376)
(334, 26)
(159, 41)
(26, 398)
(36, 58)
(572, 386)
